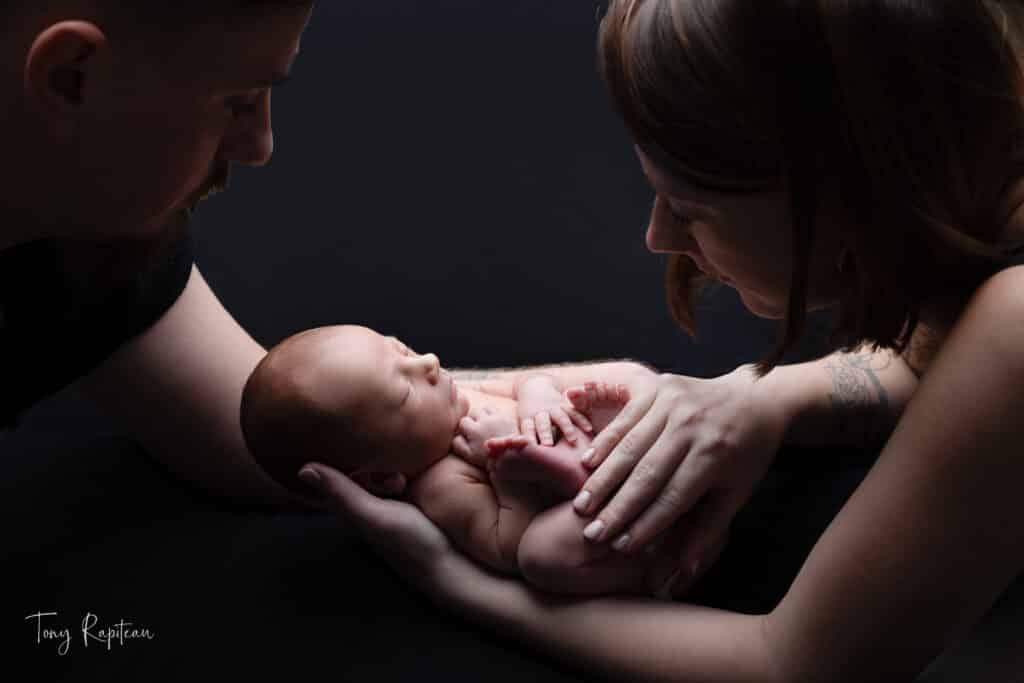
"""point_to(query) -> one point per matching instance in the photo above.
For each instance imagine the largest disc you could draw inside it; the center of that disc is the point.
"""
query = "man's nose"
(250, 139)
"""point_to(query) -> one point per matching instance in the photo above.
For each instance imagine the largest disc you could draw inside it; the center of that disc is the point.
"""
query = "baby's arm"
(458, 498)
(486, 521)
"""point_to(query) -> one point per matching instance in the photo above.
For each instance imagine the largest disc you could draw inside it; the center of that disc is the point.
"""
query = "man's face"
(165, 130)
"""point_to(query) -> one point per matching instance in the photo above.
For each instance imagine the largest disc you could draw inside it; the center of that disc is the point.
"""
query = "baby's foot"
(470, 443)
(599, 401)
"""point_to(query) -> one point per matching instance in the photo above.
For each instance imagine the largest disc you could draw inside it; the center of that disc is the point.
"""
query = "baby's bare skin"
(520, 525)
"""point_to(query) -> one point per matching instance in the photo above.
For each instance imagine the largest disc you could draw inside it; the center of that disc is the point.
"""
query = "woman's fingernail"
(621, 543)
(593, 530)
(310, 478)
(587, 455)
(581, 501)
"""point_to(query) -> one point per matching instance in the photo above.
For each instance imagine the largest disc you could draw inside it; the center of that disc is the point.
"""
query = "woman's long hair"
(908, 111)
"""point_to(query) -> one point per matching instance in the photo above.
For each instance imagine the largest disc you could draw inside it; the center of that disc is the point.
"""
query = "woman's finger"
(703, 546)
(643, 486)
(607, 478)
(623, 424)
(652, 511)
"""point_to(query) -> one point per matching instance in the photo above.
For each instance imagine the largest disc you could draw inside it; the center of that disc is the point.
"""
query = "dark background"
(451, 173)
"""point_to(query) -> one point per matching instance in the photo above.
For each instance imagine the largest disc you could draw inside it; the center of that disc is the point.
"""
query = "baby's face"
(419, 405)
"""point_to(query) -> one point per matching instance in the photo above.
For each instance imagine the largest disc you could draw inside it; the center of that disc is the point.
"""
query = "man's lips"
(216, 183)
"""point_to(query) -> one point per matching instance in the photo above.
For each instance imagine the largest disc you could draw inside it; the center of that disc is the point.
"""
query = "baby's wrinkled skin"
(387, 417)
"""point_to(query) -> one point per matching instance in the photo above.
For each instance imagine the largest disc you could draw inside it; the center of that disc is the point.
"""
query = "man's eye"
(242, 104)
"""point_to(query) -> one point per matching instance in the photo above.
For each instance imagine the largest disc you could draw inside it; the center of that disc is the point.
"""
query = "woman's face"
(743, 241)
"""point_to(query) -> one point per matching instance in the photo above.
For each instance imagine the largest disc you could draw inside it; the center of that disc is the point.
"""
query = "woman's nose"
(250, 140)
(665, 233)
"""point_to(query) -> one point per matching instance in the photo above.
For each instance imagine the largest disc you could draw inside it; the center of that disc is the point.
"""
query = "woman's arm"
(935, 532)
(844, 400)
(919, 553)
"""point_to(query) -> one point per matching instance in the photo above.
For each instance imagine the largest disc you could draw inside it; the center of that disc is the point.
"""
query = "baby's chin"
(462, 402)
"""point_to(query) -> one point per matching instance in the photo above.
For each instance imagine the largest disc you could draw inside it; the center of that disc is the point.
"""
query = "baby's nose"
(432, 365)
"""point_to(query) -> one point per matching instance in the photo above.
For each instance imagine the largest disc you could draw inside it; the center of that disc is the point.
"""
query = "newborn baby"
(391, 419)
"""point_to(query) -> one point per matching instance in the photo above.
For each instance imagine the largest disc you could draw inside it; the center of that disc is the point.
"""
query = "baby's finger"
(577, 396)
(461, 447)
(579, 419)
(499, 444)
(565, 424)
(528, 429)
(543, 422)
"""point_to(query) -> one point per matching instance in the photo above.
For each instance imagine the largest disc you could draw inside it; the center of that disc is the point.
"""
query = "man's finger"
(341, 493)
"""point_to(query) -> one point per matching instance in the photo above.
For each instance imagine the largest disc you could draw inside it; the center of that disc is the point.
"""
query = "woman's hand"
(680, 441)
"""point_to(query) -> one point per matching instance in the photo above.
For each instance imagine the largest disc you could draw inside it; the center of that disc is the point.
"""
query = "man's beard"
(219, 182)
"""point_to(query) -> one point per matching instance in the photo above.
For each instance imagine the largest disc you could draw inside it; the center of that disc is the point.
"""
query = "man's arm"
(504, 381)
(177, 388)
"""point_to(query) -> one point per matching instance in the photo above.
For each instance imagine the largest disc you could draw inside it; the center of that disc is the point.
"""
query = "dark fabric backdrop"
(449, 172)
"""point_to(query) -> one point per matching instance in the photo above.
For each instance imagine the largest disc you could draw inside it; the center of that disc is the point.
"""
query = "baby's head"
(348, 397)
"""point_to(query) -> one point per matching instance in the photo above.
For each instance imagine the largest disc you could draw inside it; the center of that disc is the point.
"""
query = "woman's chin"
(760, 307)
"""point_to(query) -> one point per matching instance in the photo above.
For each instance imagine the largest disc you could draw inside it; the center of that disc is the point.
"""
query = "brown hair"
(908, 111)
(285, 421)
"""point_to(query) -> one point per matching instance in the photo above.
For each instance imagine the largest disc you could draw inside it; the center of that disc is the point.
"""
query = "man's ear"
(383, 484)
(59, 66)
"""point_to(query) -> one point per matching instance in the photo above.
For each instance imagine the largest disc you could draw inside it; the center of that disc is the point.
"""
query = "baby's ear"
(383, 484)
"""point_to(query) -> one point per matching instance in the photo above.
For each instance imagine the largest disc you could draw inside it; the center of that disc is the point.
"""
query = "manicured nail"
(593, 530)
(587, 455)
(621, 543)
(581, 502)
(310, 478)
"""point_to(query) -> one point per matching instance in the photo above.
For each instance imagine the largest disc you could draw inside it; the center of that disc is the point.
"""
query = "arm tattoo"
(859, 401)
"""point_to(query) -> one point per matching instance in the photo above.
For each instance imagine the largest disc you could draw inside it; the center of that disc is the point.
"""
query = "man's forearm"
(849, 400)
(568, 374)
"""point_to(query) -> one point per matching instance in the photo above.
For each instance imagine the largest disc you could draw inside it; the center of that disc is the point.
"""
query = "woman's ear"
(61, 66)
(383, 484)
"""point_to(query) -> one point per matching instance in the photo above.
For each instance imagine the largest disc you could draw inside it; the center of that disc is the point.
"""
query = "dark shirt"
(66, 306)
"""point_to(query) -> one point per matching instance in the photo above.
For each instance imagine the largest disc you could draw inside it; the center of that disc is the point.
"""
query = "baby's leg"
(558, 469)
(554, 556)
(599, 401)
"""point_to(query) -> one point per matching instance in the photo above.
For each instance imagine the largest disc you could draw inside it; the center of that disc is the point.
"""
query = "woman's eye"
(681, 221)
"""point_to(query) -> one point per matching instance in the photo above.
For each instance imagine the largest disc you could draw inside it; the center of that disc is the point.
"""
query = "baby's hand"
(474, 431)
(540, 404)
